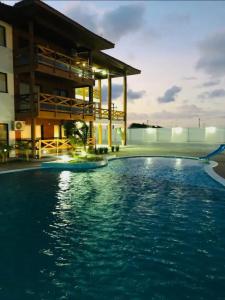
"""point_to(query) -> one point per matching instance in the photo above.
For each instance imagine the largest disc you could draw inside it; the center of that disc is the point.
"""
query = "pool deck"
(156, 149)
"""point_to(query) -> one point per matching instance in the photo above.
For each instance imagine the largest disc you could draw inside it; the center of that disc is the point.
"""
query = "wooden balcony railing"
(52, 103)
(55, 60)
(102, 113)
(84, 93)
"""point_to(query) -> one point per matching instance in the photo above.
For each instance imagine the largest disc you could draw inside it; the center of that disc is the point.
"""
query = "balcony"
(54, 107)
(56, 64)
(57, 107)
(102, 113)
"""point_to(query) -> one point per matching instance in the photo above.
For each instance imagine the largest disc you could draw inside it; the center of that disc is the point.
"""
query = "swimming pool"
(140, 228)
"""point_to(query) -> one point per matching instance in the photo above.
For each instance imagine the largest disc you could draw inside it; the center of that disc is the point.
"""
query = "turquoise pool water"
(141, 228)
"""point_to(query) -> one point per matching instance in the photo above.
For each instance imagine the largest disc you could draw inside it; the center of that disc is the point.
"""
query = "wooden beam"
(125, 109)
(110, 111)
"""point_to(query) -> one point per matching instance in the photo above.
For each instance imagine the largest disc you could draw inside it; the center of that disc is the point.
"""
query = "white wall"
(209, 135)
(7, 114)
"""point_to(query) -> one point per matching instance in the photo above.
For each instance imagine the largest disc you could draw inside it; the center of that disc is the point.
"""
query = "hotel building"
(51, 71)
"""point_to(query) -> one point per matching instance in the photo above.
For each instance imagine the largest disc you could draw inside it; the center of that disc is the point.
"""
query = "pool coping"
(209, 168)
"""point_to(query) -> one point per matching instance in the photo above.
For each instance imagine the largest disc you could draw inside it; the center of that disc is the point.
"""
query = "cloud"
(187, 113)
(212, 55)
(177, 19)
(170, 94)
(117, 91)
(112, 24)
(123, 20)
(182, 112)
(135, 95)
(210, 83)
(217, 93)
(190, 78)
(85, 15)
(138, 117)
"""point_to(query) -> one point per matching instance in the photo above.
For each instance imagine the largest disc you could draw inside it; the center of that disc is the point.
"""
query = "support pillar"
(100, 97)
(109, 111)
(125, 110)
(92, 110)
(100, 134)
(32, 87)
(90, 91)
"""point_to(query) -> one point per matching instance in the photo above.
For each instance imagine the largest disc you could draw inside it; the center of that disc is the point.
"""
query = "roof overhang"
(45, 16)
(111, 66)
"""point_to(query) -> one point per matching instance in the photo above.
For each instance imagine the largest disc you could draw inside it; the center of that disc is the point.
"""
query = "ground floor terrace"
(159, 149)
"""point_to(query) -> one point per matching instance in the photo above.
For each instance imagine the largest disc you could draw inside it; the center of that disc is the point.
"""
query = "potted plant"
(105, 150)
(24, 147)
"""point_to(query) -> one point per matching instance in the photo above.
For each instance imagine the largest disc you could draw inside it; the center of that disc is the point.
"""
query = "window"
(3, 83)
(60, 92)
(2, 36)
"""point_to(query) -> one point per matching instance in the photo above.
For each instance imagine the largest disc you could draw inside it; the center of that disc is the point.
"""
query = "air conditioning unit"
(19, 125)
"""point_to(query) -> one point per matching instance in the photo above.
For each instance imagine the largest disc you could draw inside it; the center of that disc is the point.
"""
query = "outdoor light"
(84, 64)
(83, 153)
(151, 130)
(80, 75)
(5, 150)
(65, 158)
(104, 72)
(79, 125)
(178, 130)
(210, 129)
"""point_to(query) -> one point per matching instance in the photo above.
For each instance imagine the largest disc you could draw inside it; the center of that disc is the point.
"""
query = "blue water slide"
(220, 149)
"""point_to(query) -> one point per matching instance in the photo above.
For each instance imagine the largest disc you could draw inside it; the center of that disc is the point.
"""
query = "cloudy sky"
(179, 47)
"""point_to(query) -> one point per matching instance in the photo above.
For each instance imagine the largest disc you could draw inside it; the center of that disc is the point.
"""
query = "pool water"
(141, 228)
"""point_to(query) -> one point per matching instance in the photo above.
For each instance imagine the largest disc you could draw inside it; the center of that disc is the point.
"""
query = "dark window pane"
(3, 82)
(2, 36)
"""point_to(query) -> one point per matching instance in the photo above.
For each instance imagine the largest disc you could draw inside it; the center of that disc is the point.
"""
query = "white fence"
(208, 135)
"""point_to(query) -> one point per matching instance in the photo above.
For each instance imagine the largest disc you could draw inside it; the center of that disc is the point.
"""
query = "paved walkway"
(172, 149)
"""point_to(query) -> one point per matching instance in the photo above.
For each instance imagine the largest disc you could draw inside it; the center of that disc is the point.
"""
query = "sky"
(179, 46)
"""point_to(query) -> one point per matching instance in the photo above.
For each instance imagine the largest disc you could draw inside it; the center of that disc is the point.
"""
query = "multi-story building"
(7, 112)
(58, 69)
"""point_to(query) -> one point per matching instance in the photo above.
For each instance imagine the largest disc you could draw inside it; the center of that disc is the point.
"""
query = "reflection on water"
(150, 228)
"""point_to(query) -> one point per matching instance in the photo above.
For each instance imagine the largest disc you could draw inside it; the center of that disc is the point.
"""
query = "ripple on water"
(137, 229)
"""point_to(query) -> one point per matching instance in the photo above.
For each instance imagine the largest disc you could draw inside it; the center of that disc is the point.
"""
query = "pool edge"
(209, 168)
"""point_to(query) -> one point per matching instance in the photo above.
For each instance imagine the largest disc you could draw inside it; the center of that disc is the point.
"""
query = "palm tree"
(77, 132)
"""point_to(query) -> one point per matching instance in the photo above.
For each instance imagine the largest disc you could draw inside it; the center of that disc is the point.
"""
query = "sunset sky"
(178, 45)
